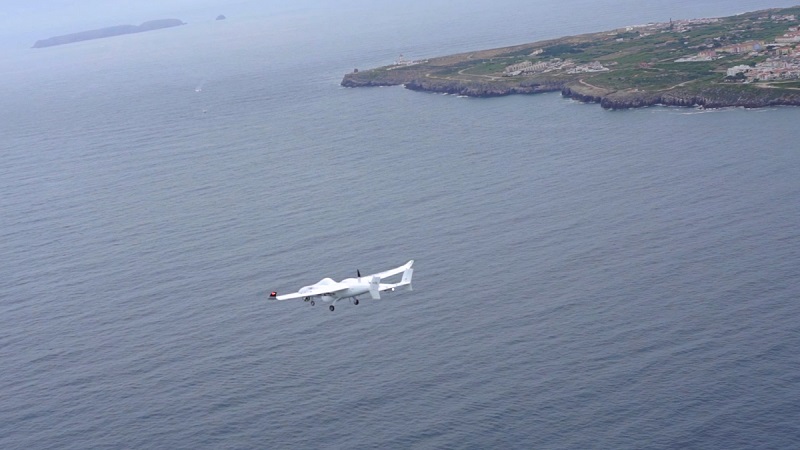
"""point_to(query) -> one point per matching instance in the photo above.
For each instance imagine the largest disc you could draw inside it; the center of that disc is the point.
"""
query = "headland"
(750, 60)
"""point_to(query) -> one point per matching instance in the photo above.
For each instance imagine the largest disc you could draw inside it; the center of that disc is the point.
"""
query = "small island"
(107, 32)
(750, 60)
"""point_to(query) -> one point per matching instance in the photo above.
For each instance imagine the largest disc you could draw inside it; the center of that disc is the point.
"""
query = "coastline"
(684, 63)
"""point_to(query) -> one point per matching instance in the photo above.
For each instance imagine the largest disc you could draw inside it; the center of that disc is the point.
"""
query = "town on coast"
(750, 60)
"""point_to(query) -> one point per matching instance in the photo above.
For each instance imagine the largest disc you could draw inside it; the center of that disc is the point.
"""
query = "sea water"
(583, 278)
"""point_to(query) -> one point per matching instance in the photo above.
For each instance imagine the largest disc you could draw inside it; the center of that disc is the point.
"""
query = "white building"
(735, 70)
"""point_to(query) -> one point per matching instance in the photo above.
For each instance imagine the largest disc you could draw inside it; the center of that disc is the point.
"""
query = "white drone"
(330, 291)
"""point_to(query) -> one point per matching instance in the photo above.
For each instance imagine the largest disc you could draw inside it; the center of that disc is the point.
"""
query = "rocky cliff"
(719, 96)
(470, 88)
(714, 96)
(479, 89)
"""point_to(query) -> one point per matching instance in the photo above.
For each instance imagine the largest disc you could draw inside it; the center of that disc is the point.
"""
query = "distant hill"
(107, 32)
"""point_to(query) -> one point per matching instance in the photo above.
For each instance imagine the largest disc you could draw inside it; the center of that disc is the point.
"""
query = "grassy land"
(785, 85)
(640, 59)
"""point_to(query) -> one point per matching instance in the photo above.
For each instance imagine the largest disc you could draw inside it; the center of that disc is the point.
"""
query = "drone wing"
(313, 291)
(291, 296)
(395, 271)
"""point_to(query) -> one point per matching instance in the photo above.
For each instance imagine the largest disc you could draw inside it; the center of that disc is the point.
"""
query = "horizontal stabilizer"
(404, 284)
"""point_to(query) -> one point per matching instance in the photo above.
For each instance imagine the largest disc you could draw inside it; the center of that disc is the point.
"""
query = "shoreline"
(685, 63)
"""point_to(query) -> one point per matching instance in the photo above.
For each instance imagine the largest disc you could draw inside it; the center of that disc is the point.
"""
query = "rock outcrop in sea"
(107, 32)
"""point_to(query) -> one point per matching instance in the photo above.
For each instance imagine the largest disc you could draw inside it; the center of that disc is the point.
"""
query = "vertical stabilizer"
(375, 288)
(407, 278)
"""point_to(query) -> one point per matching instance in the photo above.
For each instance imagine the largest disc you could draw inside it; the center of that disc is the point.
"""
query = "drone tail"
(406, 280)
(375, 288)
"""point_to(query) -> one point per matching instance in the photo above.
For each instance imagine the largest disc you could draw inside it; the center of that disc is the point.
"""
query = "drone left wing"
(313, 291)
(295, 295)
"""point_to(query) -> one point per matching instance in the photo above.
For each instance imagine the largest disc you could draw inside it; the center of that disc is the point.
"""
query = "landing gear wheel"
(312, 303)
(331, 307)
(355, 302)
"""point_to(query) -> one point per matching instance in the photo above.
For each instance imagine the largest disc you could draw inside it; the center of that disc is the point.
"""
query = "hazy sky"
(22, 22)
(23, 15)
(38, 19)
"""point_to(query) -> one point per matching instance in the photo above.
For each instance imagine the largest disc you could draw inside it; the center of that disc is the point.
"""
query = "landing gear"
(355, 301)
(331, 308)
(312, 303)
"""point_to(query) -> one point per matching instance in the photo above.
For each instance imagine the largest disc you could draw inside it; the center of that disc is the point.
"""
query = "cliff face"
(478, 89)
(107, 32)
(583, 93)
(356, 79)
(715, 97)
(415, 82)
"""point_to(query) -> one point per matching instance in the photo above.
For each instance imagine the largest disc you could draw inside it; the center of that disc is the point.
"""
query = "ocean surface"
(583, 278)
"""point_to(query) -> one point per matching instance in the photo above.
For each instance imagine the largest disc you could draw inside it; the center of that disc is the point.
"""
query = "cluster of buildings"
(783, 18)
(529, 67)
(782, 64)
(773, 69)
(750, 47)
(790, 37)
(555, 64)
(526, 67)
(593, 66)
(680, 26)
(403, 62)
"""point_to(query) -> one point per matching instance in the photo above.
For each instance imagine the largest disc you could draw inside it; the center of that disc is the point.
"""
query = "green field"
(641, 59)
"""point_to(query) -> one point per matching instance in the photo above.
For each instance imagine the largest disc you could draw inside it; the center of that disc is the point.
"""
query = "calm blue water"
(584, 278)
